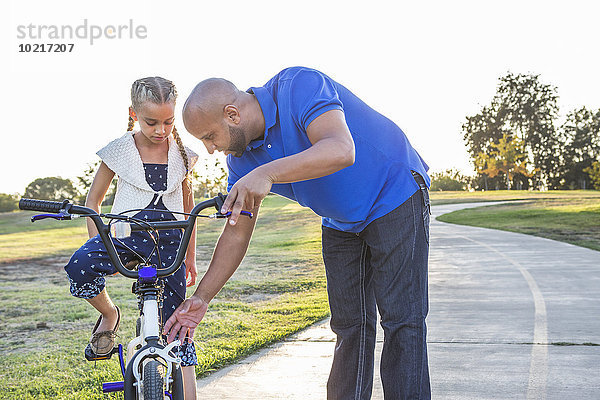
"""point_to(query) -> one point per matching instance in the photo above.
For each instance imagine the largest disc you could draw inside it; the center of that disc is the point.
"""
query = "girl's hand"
(191, 273)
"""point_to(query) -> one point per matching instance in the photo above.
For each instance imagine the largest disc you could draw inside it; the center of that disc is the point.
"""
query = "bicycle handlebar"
(103, 229)
(42, 205)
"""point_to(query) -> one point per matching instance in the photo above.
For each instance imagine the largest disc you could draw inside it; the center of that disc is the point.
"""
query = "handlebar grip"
(42, 205)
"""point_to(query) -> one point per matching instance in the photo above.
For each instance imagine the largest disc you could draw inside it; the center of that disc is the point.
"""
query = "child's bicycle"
(152, 370)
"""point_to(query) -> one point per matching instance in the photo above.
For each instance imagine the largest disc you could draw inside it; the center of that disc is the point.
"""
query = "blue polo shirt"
(380, 178)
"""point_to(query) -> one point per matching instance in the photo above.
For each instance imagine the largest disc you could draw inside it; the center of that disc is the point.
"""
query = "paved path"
(511, 317)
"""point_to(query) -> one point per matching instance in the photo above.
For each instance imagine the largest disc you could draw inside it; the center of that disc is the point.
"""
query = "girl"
(153, 168)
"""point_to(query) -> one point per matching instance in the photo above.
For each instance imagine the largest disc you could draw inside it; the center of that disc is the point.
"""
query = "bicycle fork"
(151, 349)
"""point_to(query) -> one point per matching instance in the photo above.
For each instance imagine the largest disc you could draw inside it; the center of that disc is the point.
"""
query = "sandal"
(102, 343)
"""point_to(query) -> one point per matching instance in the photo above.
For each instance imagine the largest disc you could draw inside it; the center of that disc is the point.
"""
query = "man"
(308, 138)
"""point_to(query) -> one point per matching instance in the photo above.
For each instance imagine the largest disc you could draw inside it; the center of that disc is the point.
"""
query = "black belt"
(419, 179)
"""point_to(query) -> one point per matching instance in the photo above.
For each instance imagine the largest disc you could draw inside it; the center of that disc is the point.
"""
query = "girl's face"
(156, 120)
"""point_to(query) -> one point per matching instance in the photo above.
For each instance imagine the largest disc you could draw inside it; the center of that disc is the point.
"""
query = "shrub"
(449, 179)
(51, 188)
(594, 174)
(8, 202)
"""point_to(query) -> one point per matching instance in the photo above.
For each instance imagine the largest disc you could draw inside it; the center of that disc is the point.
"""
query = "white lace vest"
(133, 192)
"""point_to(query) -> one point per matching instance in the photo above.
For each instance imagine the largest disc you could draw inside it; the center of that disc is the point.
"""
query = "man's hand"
(191, 273)
(185, 319)
(247, 193)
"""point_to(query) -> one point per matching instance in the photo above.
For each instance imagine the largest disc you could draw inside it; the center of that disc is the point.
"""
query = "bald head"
(223, 117)
(210, 96)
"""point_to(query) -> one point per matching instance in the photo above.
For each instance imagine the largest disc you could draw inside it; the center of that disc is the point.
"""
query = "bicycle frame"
(147, 345)
(149, 339)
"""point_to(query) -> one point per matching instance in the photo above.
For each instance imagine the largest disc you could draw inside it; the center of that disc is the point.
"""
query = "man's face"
(216, 135)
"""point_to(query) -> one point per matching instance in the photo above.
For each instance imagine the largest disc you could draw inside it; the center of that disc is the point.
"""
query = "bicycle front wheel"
(153, 381)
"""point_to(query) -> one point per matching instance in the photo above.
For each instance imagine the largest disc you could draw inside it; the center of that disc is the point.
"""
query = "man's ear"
(132, 114)
(232, 114)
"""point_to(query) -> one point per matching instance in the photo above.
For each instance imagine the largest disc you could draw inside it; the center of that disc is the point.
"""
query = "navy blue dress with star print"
(90, 264)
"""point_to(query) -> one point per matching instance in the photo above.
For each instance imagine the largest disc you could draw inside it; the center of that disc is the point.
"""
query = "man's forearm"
(229, 252)
(323, 158)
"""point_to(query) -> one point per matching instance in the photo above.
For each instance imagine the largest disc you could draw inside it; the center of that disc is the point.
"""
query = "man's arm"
(332, 150)
(229, 252)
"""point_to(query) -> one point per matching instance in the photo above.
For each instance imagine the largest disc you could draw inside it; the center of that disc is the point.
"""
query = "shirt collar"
(269, 110)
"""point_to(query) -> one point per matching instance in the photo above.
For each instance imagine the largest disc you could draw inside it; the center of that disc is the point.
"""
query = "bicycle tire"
(177, 385)
(153, 381)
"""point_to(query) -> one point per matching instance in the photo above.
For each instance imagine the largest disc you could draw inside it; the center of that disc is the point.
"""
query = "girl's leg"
(189, 382)
(86, 271)
(106, 307)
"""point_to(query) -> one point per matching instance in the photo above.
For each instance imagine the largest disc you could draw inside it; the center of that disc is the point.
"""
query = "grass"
(572, 217)
(439, 198)
(20, 239)
(278, 290)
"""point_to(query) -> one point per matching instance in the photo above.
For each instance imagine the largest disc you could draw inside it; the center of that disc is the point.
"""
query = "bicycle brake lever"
(59, 217)
(246, 213)
(228, 214)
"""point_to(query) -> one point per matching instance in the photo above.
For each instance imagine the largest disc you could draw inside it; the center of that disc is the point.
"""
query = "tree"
(481, 162)
(8, 202)
(506, 158)
(449, 179)
(580, 135)
(212, 180)
(482, 130)
(84, 182)
(594, 173)
(522, 108)
(529, 109)
(51, 188)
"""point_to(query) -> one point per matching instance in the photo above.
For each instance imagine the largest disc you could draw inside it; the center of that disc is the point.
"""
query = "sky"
(425, 65)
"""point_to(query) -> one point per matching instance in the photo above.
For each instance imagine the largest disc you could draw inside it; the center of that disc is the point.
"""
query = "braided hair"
(158, 91)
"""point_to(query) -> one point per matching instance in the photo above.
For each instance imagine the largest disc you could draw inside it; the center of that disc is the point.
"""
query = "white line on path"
(538, 367)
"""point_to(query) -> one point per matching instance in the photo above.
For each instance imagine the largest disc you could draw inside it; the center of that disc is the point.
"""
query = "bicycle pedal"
(91, 356)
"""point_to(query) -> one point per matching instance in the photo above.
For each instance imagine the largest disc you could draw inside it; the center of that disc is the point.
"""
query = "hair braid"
(186, 160)
(130, 124)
